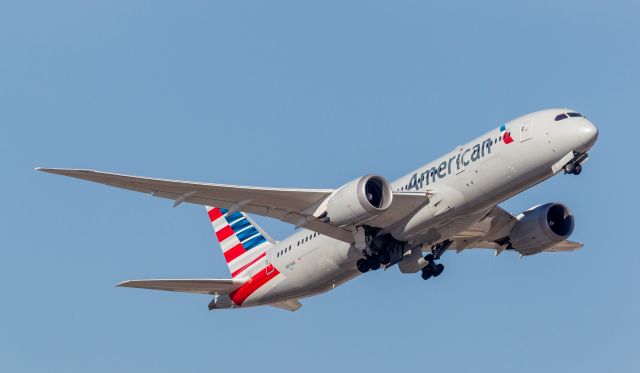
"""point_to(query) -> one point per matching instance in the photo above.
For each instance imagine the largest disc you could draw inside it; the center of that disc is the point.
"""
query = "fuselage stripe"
(239, 295)
(240, 270)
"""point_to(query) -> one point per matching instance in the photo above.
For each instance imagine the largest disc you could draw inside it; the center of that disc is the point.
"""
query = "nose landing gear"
(573, 168)
(575, 165)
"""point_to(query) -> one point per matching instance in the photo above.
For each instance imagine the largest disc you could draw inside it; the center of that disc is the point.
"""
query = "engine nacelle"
(541, 227)
(359, 201)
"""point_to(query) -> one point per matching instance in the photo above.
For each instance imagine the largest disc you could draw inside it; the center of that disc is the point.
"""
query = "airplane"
(448, 204)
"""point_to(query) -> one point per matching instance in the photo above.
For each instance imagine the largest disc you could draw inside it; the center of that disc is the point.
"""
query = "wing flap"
(197, 286)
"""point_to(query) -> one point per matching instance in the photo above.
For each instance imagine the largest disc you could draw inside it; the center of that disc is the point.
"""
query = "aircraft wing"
(198, 286)
(495, 225)
(295, 206)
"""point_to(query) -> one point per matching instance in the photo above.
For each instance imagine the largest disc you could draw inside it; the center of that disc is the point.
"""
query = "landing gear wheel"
(426, 273)
(373, 262)
(384, 258)
(429, 258)
(577, 169)
(569, 168)
(437, 270)
(362, 265)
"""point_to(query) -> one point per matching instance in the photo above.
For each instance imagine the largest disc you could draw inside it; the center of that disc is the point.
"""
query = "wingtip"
(121, 284)
(47, 169)
(64, 171)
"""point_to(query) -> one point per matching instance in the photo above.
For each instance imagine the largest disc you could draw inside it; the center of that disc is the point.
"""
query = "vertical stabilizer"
(244, 244)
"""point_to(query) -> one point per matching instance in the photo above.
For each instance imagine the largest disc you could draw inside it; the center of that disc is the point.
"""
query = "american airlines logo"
(505, 134)
(457, 162)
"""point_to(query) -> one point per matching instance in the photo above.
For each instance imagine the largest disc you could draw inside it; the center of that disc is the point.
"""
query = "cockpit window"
(575, 115)
(561, 117)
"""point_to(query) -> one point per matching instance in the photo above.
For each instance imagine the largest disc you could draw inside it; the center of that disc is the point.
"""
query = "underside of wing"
(197, 286)
(300, 207)
(293, 206)
(562, 246)
(493, 225)
(492, 229)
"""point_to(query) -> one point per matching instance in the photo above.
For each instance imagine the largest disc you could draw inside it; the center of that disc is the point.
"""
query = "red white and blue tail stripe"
(243, 243)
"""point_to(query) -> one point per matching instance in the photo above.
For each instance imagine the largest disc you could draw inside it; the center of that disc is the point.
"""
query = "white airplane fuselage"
(462, 186)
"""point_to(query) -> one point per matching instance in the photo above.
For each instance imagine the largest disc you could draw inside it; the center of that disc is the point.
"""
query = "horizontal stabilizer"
(198, 286)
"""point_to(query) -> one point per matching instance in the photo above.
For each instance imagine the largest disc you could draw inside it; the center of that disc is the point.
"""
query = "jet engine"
(359, 201)
(541, 227)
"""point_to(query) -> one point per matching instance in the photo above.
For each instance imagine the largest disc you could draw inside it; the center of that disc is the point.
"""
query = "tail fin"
(243, 243)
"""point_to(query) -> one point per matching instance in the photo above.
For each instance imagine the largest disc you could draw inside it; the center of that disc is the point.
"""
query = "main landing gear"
(575, 165)
(433, 269)
(371, 262)
(382, 250)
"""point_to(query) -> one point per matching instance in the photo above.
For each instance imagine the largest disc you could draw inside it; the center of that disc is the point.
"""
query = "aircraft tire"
(569, 168)
(362, 265)
(426, 274)
(437, 270)
(577, 169)
(384, 258)
(373, 262)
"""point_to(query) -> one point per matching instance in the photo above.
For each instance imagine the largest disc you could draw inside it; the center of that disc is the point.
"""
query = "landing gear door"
(525, 131)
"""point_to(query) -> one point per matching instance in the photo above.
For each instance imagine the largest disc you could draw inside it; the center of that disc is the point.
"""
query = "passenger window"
(575, 115)
(561, 117)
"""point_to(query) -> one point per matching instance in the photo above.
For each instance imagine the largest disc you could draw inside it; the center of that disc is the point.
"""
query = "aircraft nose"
(587, 133)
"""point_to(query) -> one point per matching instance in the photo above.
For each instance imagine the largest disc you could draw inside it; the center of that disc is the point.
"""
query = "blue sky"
(305, 94)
